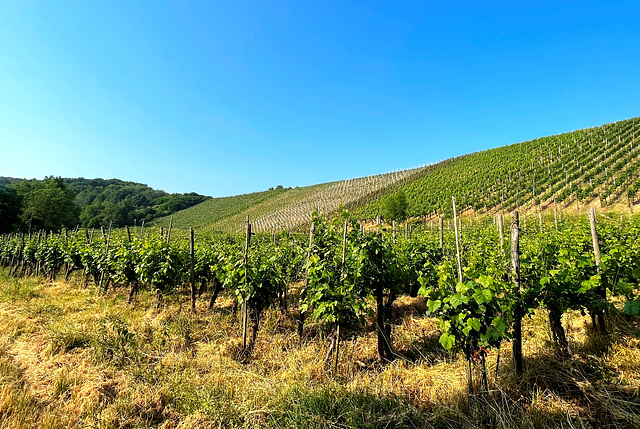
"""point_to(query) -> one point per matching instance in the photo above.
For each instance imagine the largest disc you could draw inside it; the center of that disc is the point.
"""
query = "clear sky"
(230, 97)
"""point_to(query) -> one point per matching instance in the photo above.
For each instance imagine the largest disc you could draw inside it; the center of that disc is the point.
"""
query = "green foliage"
(265, 280)
(124, 203)
(10, 209)
(160, 264)
(115, 342)
(335, 293)
(632, 308)
(47, 204)
(98, 202)
(558, 270)
(395, 206)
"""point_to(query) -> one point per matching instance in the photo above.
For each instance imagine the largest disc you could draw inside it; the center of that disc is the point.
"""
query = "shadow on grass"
(582, 383)
(335, 408)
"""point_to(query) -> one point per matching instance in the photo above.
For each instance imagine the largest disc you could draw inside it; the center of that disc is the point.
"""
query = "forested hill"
(125, 203)
(85, 202)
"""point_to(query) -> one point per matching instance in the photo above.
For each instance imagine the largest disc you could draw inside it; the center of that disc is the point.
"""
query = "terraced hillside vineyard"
(596, 166)
(290, 208)
(217, 209)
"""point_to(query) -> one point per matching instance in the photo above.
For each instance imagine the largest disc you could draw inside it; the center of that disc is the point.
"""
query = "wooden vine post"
(108, 241)
(342, 278)
(192, 275)
(500, 223)
(441, 233)
(312, 232)
(170, 227)
(382, 343)
(601, 291)
(594, 235)
(515, 275)
(245, 309)
(455, 225)
(540, 220)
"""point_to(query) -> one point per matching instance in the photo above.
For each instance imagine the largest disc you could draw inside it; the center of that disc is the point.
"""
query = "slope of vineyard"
(216, 209)
(293, 207)
(590, 166)
(291, 210)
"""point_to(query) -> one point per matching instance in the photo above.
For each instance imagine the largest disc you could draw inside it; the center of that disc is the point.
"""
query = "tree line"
(56, 203)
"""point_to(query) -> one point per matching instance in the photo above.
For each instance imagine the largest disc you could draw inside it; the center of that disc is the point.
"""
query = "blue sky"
(231, 97)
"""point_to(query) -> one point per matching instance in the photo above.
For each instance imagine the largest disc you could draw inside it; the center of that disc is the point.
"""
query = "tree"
(47, 204)
(395, 206)
(10, 209)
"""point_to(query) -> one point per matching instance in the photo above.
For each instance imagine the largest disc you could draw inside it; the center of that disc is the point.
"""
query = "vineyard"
(361, 311)
(594, 166)
(216, 209)
(290, 208)
(590, 167)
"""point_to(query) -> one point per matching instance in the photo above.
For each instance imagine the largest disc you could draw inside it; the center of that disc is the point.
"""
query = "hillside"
(216, 209)
(291, 208)
(590, 166)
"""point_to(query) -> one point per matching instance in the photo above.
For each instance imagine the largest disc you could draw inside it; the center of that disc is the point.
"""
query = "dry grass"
(72, 358)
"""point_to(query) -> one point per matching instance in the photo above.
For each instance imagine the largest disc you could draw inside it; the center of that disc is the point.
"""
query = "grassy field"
(70, 357)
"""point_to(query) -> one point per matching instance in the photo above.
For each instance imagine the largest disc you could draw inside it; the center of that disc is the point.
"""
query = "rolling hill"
(290, 208)
(597, 165)
(591, 166)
